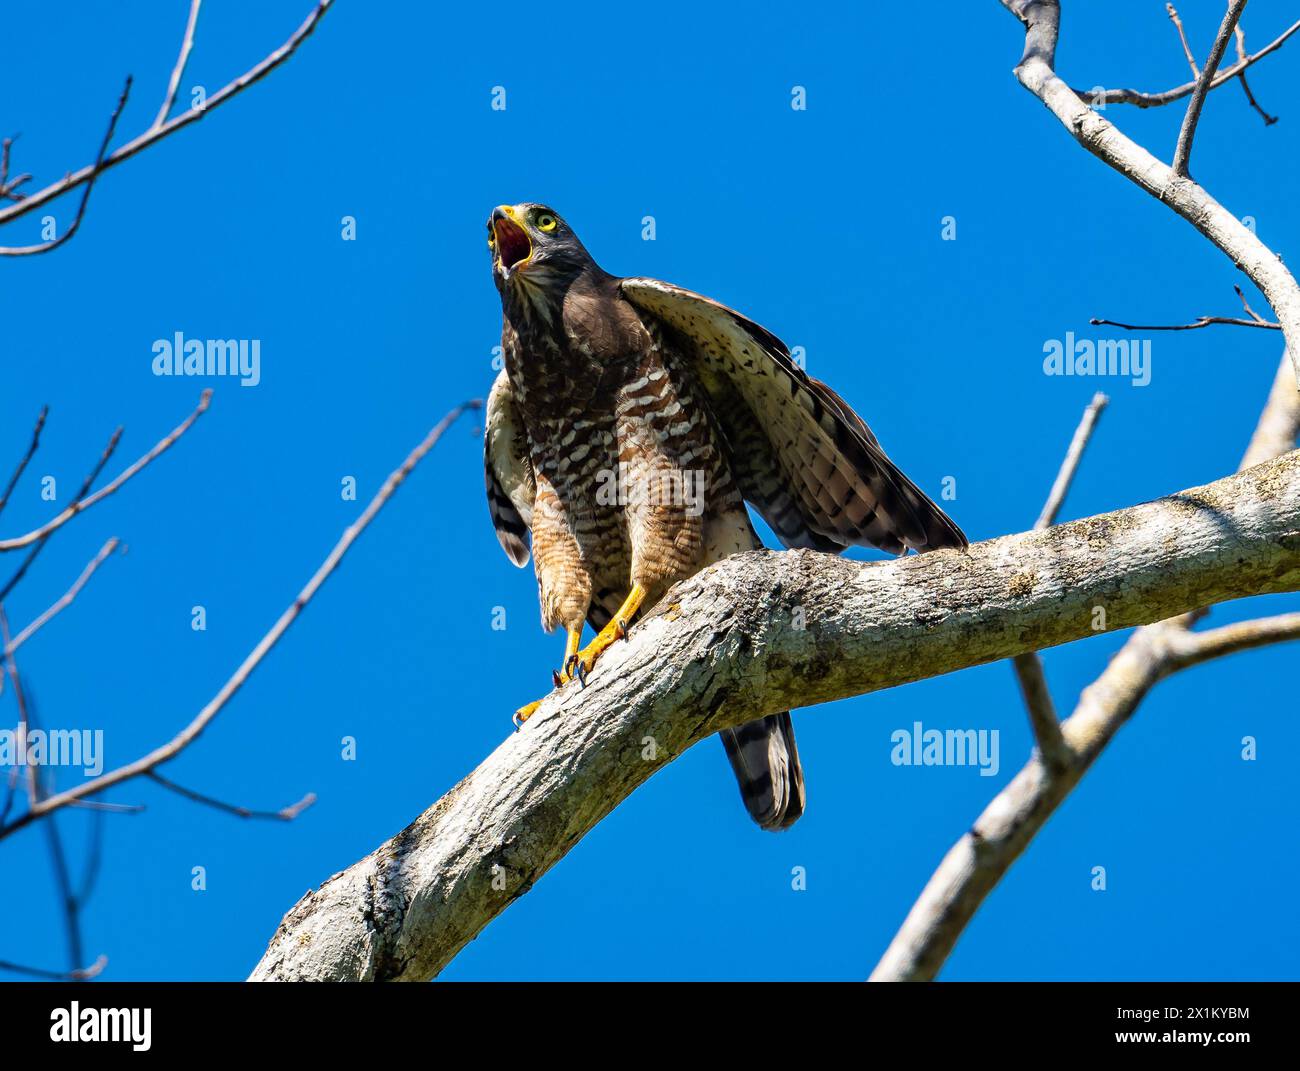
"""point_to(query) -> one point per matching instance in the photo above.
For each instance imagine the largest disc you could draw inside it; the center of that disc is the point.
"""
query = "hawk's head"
(531, 244)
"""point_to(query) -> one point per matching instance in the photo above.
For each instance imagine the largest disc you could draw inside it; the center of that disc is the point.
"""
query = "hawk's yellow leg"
(571, 645)
(580, 664)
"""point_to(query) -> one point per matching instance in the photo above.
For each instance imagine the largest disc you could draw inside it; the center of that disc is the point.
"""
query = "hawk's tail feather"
(766, 762)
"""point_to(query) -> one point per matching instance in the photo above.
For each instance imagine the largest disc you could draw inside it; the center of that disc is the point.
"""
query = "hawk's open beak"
(514, 247)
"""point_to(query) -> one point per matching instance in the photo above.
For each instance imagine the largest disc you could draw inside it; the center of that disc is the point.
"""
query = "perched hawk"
(632, 422)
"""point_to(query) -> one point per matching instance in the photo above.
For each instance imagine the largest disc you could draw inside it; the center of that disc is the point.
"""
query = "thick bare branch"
(718, 650)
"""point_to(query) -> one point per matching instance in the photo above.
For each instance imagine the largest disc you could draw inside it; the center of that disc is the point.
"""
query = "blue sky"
(825, 226)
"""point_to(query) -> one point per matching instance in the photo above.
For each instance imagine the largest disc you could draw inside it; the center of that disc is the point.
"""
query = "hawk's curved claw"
(573, 670)
(524, 713)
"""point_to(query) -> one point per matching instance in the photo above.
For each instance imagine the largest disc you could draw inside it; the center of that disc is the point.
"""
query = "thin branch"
(187, 43)
(1187, 49)
(1043, 718)
(1192, 648)
(94, 858)
(1199, 322)
(64, 601)
(82, 491)
(1065, 477)
(63, 879)
(96, 169)
(1246, 305)
(1169, 96)
(9, 189)
(1269, 120)
(191, 732)
(81, 505)
(156, 133)
(1183, 150)
(24, 718)
(82, 975)
(27, 457)
(285, 814)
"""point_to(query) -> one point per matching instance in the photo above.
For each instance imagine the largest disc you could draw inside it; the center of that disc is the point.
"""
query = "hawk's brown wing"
(510, 484)
(806, 461)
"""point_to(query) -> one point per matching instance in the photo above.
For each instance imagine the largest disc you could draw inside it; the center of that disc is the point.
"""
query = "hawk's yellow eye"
(547, 222)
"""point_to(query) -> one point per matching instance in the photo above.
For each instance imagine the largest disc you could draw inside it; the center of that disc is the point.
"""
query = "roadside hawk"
(631, 423)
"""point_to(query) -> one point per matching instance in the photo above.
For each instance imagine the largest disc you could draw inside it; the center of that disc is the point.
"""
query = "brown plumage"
(631, 423)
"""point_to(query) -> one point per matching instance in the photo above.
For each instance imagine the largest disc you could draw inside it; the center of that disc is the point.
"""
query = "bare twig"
(1156, 100)
(1199, 322)
(96, 168)
(1187, 49)
(237, 680)
(1183, 150)
(24, 718)
(187, 43)
(63, 880)
(82, 491)
(156, 133)
(285, 814)
(27, 457)
(1065, 477)
(1029, 666)
(8, 189)
(81, 505)
(1246, 305)
(1269, 120)
(81, 975)
(64, 600)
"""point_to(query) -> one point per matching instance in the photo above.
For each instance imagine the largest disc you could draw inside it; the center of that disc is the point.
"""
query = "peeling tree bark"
(720, 650)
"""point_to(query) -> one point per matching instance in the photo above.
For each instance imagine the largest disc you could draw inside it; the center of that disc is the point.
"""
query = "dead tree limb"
(720, 649)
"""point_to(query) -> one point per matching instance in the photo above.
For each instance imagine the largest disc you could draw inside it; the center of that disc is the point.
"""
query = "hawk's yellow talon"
(616, 630)
(524, 713)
